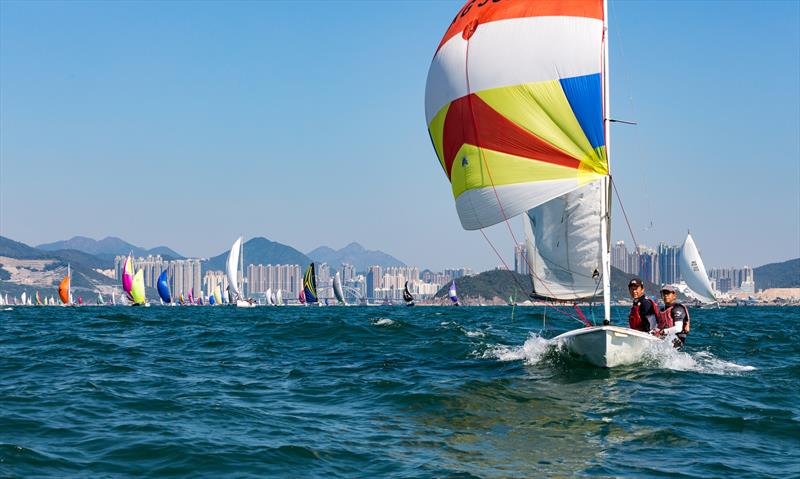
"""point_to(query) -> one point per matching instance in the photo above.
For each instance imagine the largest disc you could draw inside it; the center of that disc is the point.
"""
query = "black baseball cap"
(635, 282)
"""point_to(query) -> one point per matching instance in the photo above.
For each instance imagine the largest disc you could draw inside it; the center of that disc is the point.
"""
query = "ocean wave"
(532, 351)
(382, 321)
(664, 355)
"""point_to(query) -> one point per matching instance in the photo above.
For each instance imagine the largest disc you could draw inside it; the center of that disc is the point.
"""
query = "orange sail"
(63, 290)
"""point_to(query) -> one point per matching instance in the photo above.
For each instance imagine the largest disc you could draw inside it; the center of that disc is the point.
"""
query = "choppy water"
(387, 392)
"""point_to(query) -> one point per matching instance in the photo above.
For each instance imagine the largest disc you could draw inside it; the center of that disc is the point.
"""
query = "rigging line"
(625, 214)
(517, 281)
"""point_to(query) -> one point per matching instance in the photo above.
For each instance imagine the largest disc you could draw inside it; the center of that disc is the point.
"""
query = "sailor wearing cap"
(675, 316)
(644, 311)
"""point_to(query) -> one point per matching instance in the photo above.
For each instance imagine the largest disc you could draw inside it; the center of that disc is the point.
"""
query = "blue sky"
(188, 124)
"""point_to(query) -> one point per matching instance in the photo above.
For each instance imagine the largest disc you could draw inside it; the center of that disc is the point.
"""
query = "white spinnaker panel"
(268, 294)
(694, 272)
(563, 244)
(231, 270)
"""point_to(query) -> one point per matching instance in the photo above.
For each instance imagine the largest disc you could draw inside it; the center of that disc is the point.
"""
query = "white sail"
(2, 301)
(564, 247)
(279, 297)
(694, 272)
(269, 297)
(337, 288)
(232, 267)
(24, 297)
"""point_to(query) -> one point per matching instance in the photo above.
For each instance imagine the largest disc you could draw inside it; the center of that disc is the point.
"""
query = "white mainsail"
(564, 247)
(337, 288)
(269, 297)
(279, 298)
(231, 271)
(694, 272)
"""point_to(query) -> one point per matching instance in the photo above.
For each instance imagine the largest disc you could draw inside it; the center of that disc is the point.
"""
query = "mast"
(605, 219)
(241, 266)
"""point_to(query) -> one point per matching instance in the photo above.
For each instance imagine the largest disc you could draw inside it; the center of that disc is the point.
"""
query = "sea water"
(388, 392)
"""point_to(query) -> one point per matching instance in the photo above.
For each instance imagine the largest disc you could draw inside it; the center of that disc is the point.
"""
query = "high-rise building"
(374, 278)
(521, 259)
(668, 264)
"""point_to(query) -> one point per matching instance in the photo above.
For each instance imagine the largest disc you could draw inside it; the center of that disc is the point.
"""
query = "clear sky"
(187, 124)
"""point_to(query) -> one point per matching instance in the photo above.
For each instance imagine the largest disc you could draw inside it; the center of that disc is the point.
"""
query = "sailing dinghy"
(517, 108)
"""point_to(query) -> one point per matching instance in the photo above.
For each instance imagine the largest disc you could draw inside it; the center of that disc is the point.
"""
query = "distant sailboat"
(100, 300)
(24, 297)
(337, 289)
(268, 295)
(310, 285)
(64, 288)
(302, 297)
(279, 298)
(137, 289)
(127, 277)
(80, 300)
(694, 272)
(217, 295)
(407, 296)
(38, 299)
(232, 272)
(163, 288)
(452, 293)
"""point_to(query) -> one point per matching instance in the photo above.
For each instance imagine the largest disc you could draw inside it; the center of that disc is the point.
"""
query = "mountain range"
(260, 251)
(25, 268)
(354, 254)
(778, 275)
(108, 248)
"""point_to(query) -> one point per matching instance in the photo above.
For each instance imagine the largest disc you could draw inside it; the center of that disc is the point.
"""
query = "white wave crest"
(531, 352)
(667, 357)
(475, 334)
(382, 321)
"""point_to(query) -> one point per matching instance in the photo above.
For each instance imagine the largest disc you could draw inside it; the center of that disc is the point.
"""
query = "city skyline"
(306, 126)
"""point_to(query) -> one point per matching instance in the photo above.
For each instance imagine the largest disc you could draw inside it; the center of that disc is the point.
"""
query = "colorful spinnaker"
(452, 292)
(38, 299)
(127, 277)
(516, 104)
(137, 289)
(302, 297)
(217, 295)
(310, 284)
(64, 288)
(163, 287)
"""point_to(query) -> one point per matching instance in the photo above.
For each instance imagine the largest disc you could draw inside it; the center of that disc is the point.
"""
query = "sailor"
(644, 311)
(675, 316)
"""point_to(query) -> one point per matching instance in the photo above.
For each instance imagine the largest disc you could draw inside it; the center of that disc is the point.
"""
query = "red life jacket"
(665, 319)
(636, 321)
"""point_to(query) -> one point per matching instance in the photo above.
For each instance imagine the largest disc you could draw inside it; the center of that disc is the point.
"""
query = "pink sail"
(127, 275)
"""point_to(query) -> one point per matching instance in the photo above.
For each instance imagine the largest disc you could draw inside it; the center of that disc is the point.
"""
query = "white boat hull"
(245, 304)
(607, 346)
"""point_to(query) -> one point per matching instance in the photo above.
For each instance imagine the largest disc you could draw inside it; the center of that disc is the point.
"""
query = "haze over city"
(188, 125)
